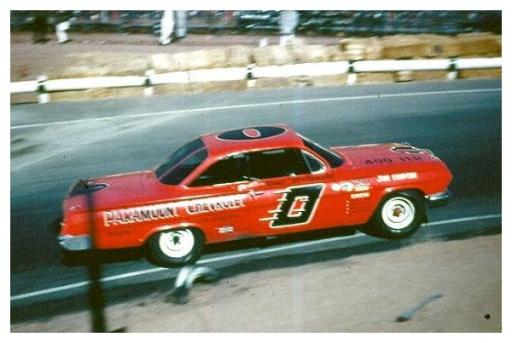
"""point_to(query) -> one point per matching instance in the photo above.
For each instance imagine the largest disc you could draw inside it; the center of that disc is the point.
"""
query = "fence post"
(251, 82)
(352, 76)
(452, 70)
(148, 86)
(42, 95)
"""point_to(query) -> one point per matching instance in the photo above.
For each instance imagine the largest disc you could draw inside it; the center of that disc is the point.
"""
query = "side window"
(314, 165)
(224, 171)
(184, 168)
(275, 163)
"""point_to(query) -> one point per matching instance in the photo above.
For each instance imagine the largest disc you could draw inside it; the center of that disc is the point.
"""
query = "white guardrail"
(43, 86)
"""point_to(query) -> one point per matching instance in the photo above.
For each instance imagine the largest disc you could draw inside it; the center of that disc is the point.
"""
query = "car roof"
(251, 138)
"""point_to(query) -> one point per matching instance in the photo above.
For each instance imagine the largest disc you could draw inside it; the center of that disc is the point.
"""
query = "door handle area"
(255, 193)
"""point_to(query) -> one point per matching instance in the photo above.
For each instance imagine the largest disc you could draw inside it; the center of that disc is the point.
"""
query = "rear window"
(333, 159)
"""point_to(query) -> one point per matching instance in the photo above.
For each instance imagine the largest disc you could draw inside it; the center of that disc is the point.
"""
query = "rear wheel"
(398, 216)
(172, 248)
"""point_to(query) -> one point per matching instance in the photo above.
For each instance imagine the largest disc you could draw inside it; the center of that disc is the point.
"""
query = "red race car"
(253, 182)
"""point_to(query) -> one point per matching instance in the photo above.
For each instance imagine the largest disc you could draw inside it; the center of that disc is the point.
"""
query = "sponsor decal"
(172, 210)
(336, 187)
(404, 176)
(297, 206)
(214, 204)
(383, 178)
(139, 214)
(352, 186)
(360, 195)
(397, 177)
(347, 186)
(360, 187)
(226, 229)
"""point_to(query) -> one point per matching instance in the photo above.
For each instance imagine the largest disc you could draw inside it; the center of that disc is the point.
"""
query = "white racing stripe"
(466, 219)
(50, 290)
(263, 104)
(230, 257)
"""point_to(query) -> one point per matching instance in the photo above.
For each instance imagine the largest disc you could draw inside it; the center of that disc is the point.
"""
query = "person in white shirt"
(166, 28)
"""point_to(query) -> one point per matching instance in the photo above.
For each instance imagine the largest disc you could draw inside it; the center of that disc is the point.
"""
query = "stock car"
(253, 182)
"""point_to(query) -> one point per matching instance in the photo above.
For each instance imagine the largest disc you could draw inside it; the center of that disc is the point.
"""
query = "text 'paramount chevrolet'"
(253, 182)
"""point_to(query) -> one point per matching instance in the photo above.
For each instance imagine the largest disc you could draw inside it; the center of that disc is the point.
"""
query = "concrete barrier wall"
(356, 60)
(422, 46)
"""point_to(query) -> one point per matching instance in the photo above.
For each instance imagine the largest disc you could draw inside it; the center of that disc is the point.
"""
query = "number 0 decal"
(297, 206)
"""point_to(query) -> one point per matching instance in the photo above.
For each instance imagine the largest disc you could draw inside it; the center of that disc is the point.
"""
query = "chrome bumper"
(75, 243)
(438, 199)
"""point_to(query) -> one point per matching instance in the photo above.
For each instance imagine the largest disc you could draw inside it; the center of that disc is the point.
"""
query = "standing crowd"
(173, 26)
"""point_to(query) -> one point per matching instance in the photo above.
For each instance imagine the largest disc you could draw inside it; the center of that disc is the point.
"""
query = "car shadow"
(45, 309)
(126, 255)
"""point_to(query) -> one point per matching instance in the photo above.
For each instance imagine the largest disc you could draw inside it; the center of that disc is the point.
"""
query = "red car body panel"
(132, 207)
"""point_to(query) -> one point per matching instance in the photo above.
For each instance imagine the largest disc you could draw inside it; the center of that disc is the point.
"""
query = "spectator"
(166, 28)
(181, 25)
(39, 27)
(288, 21)
(61, 26)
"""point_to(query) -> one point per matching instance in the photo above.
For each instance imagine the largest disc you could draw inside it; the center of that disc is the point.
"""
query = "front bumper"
(438, 199)
(75, 243)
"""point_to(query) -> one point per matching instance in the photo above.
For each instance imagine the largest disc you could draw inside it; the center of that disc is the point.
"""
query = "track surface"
(55, 144)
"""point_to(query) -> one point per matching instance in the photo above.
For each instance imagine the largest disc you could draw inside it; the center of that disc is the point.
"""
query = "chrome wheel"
(176, 243)
(398, 213)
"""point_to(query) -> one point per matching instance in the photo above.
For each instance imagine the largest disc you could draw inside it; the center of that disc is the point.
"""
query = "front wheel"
(398, 216)
(173, 248)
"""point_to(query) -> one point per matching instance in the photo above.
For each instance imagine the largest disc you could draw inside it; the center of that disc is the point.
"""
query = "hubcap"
(176, 244)
(398, 213)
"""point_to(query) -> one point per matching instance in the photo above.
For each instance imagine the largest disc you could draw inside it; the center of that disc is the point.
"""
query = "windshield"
(178, 156)
(331, 157)
(183, 169)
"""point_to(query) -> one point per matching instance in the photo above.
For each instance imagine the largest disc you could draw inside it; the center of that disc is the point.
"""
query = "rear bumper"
(75, 243)
(438, 199)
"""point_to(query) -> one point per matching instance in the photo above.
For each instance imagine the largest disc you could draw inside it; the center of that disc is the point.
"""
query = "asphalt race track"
(55, 144)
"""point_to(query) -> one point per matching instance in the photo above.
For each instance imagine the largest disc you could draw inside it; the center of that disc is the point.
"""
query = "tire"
(174, 248)
(398, 216)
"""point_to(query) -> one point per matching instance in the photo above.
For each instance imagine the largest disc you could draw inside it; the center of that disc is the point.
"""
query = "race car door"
(218, 196)
(284, 195)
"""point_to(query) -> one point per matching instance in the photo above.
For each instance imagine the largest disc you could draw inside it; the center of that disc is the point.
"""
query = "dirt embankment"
(364, 293)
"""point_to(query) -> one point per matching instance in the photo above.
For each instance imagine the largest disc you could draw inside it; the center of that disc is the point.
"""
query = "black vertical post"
(96, 299)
